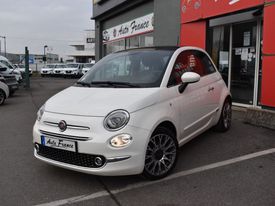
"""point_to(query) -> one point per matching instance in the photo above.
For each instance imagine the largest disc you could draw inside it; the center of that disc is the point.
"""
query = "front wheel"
(161, 154)
(2, 97)
(224, 123)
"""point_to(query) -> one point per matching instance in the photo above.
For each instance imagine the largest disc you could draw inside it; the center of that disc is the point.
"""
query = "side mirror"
(188, 78)
(3, 69)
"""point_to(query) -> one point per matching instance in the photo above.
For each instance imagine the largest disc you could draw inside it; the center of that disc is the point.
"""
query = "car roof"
(173, 48)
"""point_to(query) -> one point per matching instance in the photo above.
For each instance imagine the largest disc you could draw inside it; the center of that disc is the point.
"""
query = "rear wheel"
(224, 123)
(2, 97)
(161, 154)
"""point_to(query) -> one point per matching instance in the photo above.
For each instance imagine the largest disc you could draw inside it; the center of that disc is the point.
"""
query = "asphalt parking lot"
(233, 168)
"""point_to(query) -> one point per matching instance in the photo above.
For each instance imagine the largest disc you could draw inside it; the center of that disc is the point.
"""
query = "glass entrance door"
(243, 62)
(235, 49)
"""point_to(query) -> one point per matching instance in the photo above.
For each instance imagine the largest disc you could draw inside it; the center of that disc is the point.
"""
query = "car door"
(192, 105)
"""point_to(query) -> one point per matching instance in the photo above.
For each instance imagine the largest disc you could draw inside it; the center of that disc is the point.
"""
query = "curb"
(259, 117)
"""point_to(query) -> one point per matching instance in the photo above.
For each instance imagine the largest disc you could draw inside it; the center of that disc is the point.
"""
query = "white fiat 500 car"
(132, 111)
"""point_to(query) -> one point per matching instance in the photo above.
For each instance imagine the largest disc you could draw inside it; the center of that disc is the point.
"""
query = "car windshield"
(134, 68)
(6, 64)
(60, 66)
(88, 65)
(72, 65)
(50, 66)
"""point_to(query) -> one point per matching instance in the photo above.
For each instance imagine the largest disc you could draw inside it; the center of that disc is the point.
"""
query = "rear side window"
(190, 61)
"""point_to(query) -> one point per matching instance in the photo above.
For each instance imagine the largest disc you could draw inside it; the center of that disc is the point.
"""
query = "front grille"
(68, 72)
(78, 138)
(10, 79)
(73, 158)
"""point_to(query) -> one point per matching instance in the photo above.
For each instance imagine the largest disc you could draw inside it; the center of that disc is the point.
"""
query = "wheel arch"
(169, 125)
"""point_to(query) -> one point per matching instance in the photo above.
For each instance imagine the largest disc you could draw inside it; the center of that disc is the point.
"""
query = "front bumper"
(46, 72)
(13, 87)
(71, 72)
(124, 161)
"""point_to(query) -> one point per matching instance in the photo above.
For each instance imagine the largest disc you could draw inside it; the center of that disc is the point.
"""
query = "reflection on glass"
(219, 49)
(243, 62)
(145, 40)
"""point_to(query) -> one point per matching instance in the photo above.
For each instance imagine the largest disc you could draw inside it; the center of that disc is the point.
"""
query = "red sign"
(191, 10)
(200, 9)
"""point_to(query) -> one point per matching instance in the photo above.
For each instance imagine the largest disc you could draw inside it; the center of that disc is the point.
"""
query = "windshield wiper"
(85, 84)
(115, 84)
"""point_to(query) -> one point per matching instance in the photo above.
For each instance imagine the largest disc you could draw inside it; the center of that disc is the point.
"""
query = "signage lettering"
(134, 27)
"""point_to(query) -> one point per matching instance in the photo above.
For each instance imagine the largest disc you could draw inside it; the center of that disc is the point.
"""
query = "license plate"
(59, 143)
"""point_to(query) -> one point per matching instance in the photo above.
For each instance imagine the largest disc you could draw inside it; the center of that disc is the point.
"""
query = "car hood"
(46, 69)
(99, 102)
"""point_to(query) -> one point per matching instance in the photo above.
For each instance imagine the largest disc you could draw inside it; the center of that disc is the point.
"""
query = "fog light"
(98, 161)
(121, 140)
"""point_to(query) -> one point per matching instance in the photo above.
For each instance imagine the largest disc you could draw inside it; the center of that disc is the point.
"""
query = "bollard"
(27, 71)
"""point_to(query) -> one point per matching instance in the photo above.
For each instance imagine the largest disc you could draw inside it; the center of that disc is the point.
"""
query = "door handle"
(211, 89)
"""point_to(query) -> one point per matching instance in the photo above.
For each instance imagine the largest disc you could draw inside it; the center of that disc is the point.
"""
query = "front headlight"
(116, 120)
(40, 113)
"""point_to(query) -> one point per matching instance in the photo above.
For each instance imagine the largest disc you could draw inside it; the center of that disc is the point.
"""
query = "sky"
(36, 23)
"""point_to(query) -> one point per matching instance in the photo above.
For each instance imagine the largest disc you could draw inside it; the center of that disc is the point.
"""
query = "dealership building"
(238, 35)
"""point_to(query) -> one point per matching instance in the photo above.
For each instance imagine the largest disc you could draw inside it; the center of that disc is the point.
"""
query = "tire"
(161, 154)
(2, 97)
(224, 123)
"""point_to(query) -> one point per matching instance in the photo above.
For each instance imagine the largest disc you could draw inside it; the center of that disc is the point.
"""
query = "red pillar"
(193, 34)
(268, 67)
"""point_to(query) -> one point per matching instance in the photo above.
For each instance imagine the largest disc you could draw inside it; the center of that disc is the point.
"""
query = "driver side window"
(185, 62)
(190, 61)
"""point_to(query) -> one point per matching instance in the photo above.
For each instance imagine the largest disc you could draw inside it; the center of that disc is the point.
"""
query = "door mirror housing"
(190, 77)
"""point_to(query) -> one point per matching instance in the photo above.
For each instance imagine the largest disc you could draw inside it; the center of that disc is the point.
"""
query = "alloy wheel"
(227, 114)
(161, 155)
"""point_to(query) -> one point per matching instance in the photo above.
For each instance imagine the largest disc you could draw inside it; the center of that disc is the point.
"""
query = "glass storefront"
(235, 49)
(219, 50)
(145, 40)
(243, 62)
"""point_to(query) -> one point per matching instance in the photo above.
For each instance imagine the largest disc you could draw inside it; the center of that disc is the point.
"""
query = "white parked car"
(22, 69)
(11, 68)
(4, 91)
(59, 69)
(73, 69)
(87, 67)
(132, 112)
(47, 70)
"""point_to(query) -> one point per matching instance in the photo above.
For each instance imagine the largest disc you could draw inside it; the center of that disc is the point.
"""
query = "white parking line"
(173, 176)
